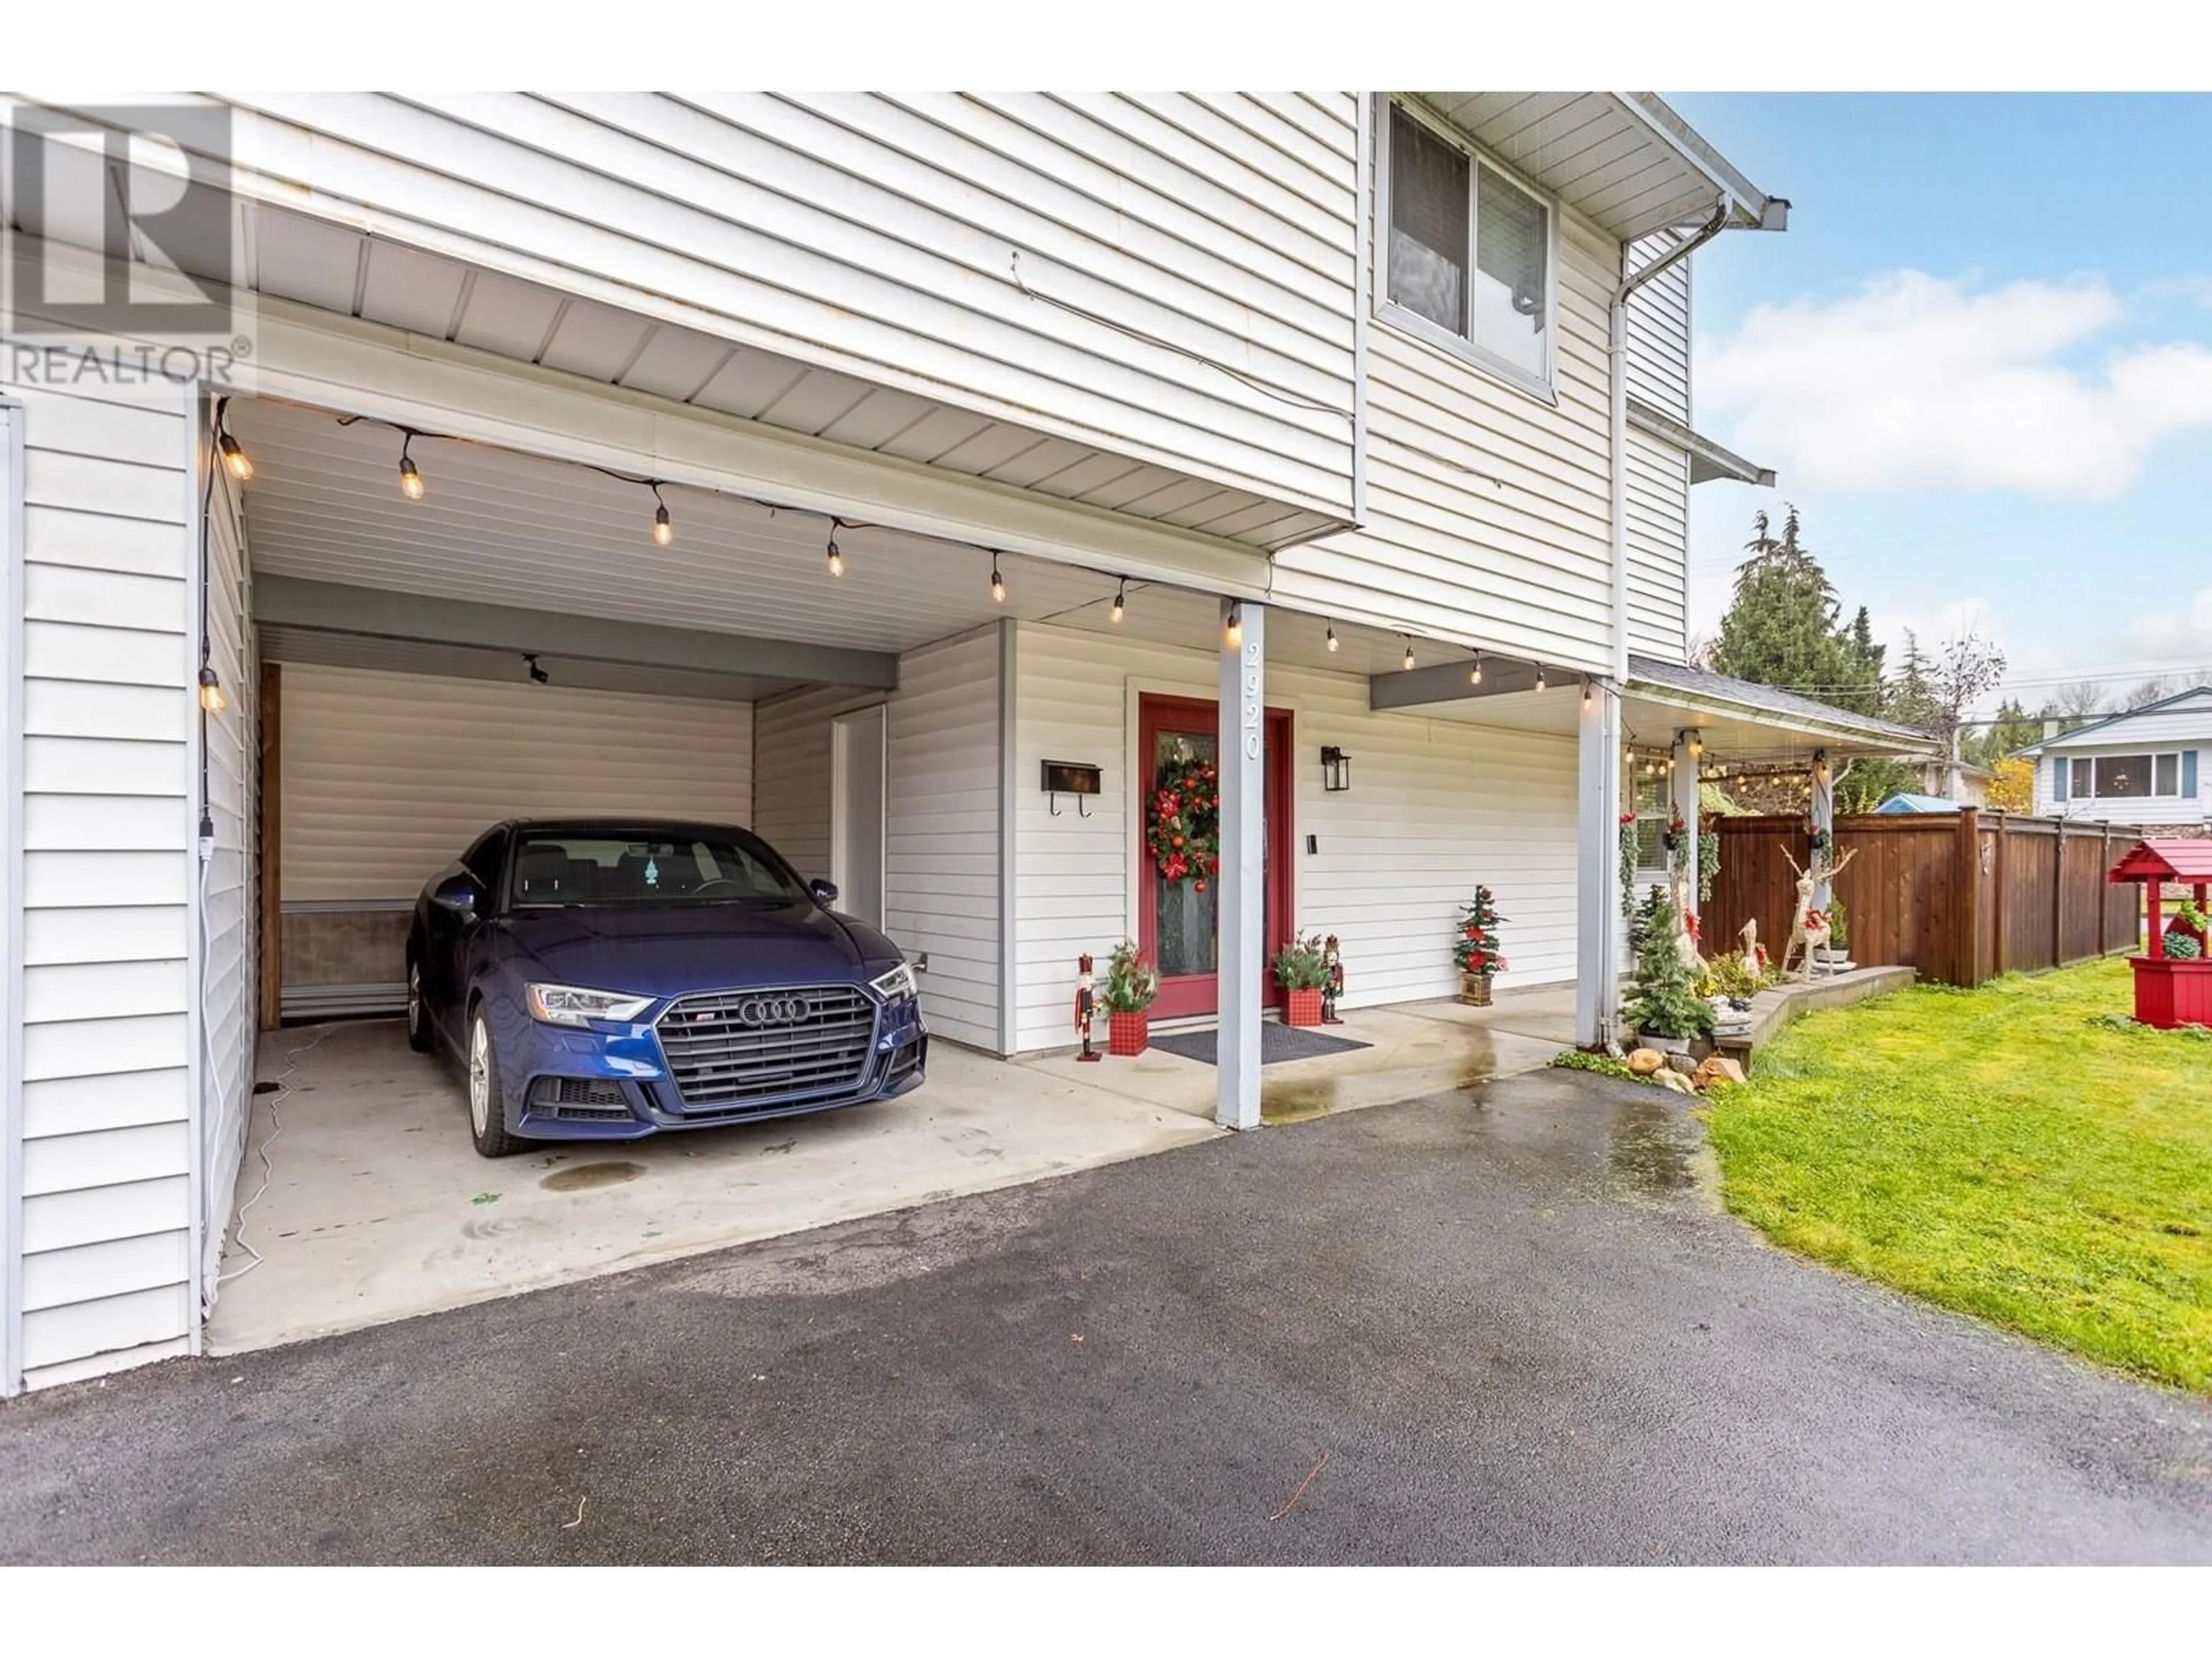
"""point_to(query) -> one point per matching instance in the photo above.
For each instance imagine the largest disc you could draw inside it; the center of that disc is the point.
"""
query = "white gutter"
(1617, 358)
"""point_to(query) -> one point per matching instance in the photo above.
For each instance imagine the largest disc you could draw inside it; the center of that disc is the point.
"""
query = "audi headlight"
(568, 1004)
(895, 987)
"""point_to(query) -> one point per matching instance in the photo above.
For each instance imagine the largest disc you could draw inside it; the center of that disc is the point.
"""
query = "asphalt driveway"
(1510, 1328)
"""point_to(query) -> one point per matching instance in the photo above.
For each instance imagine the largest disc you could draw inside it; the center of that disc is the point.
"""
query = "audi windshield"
(554, 871)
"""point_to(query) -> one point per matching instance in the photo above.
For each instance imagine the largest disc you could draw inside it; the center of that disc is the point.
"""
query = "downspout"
(1617, 357)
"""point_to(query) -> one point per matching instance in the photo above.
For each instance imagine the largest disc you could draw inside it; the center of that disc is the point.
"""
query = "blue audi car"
(605, 978)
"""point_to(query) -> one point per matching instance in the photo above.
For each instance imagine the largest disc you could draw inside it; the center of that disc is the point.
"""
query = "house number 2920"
(1253, 683)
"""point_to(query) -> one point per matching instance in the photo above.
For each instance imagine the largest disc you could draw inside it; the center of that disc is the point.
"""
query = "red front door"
(1177, 922)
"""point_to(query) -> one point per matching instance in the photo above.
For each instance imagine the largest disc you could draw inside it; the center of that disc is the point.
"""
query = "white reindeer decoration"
(1808, 929)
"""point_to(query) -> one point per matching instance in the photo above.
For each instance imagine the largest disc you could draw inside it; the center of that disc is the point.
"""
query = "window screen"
(1429, 200)
(1509, 286)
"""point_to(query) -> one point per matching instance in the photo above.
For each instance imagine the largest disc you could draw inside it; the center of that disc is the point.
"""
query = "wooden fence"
(1960, 896)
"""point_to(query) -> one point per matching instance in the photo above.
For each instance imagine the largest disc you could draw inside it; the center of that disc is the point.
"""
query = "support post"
(1242, 875)
(1597, 890)
(2002, 963)
(270, 849)
(1682, 781)
(1968, 854)
(1823, 818)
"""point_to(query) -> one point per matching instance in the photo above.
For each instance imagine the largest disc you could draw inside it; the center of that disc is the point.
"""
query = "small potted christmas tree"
(1665, 1007)
(1475, 950)
(1303, 967)
(1132, 983)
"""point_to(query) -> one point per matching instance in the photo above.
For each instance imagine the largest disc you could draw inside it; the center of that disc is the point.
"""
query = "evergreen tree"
(1665, 1000)
(1782, 626)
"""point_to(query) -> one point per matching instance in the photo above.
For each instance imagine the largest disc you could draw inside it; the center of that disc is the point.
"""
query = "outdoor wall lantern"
(1335, 770)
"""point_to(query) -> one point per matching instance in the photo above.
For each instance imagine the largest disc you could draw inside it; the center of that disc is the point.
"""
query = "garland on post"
(1630, 857)
(1183, 827)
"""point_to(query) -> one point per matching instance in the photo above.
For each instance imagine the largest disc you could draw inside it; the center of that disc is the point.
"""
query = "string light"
(1539, 677)
(1121, 595)
(1474, 673)
(1232, 632)
(1331, 636)
(831, 556)
(664, 527)
(538, 673)
(1586, 689)
(410, 481)
(235, 460)
(211, 697)
(1409, 656)
(998, 582)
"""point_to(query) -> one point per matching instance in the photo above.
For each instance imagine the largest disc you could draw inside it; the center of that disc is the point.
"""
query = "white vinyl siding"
(1488, 507)
(1658, 546)
(108, 779)
(942, 889)
(876, 234)
(388, 777)
(1435, 807)
(229, 941)
(1659, 330)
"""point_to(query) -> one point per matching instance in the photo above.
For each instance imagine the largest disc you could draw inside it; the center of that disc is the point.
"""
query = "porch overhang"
(1736, 717)
(1732, 717)
(1709, 461)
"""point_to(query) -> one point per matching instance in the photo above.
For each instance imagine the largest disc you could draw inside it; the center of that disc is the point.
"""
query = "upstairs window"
(1467, 259)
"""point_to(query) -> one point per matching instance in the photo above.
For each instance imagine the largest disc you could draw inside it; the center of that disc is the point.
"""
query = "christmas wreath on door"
(1182, 829)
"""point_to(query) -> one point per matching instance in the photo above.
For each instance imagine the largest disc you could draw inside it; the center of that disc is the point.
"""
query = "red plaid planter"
(1127, 1035)
(1304, 1009)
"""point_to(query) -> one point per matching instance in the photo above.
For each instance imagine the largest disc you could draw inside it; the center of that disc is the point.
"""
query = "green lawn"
(2010, 1152)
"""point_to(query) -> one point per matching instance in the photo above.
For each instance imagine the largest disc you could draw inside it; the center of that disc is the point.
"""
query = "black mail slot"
(1069, 778)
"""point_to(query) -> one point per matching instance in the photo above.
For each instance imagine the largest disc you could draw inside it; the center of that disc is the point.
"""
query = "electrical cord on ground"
(268, 1167)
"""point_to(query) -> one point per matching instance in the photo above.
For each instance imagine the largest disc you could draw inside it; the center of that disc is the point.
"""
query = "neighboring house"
(1899, 805)
(2150, 766)
(992, 431)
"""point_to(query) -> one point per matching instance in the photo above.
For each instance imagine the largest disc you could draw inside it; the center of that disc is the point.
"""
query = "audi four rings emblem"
(772, 1010)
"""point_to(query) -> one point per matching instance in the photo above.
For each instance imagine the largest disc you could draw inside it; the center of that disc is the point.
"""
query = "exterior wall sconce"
(1335, 770)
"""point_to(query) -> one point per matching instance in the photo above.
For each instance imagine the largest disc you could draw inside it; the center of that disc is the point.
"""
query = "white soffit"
(1622, 160)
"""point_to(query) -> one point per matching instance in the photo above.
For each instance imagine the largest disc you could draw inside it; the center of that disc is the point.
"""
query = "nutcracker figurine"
(1334, 988)
(1086, 1005)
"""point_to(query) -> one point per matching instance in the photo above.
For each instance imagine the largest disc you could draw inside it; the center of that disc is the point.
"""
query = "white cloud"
(1919, 383)
(2182, 631)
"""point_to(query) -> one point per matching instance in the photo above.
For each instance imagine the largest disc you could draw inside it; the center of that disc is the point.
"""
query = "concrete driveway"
(1504, 1326)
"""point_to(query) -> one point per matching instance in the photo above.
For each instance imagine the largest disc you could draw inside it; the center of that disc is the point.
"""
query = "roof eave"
(1750, 208)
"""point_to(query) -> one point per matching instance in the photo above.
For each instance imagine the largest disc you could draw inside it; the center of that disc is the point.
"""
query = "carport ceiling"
(501, 528)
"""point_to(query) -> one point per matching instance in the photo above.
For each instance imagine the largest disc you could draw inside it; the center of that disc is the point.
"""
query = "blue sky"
(1980, 359)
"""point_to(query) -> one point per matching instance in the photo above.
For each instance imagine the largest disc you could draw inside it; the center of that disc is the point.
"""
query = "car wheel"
(421, 1036)
(487, 1117)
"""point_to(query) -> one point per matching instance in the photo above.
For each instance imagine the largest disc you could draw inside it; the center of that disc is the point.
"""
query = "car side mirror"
(825, 892)
(459, 894)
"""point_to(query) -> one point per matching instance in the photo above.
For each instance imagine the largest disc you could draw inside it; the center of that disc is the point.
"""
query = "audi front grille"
(730, 1050)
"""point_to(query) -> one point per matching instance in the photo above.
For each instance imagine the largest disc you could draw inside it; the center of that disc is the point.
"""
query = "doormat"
(1277, 1042)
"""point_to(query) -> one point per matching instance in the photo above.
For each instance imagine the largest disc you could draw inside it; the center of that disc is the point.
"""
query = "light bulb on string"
(211, 697)
(1474, 674)
(998, 582)
(1539, 677)
(831, 556)
(411, 480)
(235, 460)
(1409, 656)
(1120, 596)
(664, 527)
(1331, 636)
(1232, 632)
